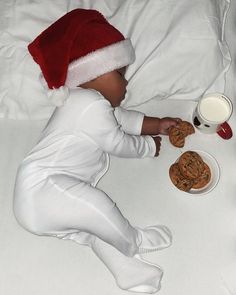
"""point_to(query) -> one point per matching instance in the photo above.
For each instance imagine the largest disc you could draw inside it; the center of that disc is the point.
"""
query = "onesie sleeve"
(99, 124)
(130, 121)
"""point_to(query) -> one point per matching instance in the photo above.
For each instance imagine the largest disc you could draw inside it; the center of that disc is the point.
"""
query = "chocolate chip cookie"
(177, 134)
(186, 127)
(176, 137)
(191, 165)
(203, 179)
(178, 179)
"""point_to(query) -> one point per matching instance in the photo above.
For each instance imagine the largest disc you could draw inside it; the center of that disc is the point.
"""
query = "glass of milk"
(211, 114)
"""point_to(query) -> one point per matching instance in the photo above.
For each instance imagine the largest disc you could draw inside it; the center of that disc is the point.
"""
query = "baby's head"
(83, 49)
(111, 85)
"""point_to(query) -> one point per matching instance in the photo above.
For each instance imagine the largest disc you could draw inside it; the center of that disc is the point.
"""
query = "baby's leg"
(64, 206)
(131, 273)
(67, 206)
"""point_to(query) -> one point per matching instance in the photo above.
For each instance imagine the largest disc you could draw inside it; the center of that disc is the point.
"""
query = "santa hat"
(79, 47)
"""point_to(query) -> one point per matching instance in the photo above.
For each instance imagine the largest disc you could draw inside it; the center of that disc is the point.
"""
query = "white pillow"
(180, 49)
(181, 52)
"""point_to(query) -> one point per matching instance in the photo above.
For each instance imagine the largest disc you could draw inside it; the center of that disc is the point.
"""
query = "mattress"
(202, 258)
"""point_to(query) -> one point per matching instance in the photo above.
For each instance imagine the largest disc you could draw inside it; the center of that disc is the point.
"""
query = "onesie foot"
(146, 276)
(153, 238)
(132, 274)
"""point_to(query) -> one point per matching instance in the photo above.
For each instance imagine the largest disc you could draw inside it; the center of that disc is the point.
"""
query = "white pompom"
(58, 96)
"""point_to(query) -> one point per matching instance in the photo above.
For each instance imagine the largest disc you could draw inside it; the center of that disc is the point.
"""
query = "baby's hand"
(166, 123)
(157, 140)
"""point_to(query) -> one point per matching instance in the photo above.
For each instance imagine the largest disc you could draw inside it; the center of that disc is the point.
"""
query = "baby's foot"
(131, 273)
(153, 238)
(139, 275)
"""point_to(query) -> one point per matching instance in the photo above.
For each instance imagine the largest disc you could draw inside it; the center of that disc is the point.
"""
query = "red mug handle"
(225, 131)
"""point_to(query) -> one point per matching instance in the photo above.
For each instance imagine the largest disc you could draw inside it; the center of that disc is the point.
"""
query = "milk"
(211, 112)
(214, 109)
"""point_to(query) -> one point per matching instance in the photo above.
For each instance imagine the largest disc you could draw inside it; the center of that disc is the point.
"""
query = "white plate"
(215, 173)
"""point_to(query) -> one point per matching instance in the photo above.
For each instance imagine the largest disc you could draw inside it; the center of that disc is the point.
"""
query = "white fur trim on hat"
(99, 62)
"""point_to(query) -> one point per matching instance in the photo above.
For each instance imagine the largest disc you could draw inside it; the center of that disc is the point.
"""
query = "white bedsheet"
(202, 259)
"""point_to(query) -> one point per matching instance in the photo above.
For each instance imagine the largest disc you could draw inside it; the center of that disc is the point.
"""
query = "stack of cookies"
(190, 172)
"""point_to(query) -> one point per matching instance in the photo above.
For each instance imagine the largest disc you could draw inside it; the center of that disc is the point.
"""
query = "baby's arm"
(134, 122)
(137, 123)
(130, 121)
(100, 125)
(155, 126)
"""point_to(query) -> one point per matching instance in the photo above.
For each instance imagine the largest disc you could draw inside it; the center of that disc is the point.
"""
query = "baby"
(83, 60)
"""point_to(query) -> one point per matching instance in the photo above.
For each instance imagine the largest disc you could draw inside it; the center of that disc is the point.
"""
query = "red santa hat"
(79, 47)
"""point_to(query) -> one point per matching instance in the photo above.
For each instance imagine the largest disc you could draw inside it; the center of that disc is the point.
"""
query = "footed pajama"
(56, 194)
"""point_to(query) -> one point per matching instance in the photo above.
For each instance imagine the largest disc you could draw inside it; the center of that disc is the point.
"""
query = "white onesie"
(55, 192)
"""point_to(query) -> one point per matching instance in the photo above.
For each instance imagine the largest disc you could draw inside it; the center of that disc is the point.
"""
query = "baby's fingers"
(157, 140)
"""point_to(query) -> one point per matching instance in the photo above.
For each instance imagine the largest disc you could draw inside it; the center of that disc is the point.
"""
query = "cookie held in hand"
(176, 137)
(186, 127)
(177, 134)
